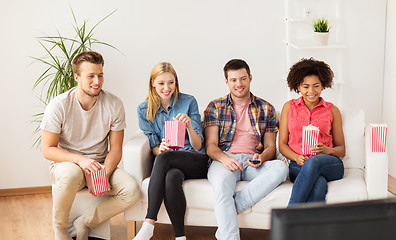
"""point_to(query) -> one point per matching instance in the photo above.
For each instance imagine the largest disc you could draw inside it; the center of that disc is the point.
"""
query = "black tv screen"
(371, 220)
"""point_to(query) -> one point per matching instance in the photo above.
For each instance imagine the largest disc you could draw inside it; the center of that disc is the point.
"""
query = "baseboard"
(25, 191)
(392, 184)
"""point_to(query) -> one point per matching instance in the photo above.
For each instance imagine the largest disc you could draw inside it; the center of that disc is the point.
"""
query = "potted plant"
(321, 31)
(58, 75)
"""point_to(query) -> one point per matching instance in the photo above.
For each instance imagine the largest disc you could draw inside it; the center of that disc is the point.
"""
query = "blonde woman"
(171, 166)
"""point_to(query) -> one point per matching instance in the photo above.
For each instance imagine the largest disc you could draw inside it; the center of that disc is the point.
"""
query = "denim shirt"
(155, 131)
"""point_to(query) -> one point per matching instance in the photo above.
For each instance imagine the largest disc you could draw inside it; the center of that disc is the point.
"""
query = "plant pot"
(321, 38)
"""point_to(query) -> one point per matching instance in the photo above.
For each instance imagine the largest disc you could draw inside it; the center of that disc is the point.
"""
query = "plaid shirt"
(220, 112)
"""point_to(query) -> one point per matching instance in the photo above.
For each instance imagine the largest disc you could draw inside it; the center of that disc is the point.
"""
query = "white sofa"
(365, 178)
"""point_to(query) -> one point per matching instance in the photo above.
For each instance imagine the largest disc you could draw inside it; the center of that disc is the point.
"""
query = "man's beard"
(92, 95)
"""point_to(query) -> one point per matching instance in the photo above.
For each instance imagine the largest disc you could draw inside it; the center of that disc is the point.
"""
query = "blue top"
(155, 131)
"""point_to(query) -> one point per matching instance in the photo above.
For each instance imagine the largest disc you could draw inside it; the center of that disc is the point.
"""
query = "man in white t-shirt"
(240, 133)
(82, 129)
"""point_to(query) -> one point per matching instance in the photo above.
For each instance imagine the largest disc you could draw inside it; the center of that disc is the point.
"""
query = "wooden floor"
(29, 217)
(392, 184)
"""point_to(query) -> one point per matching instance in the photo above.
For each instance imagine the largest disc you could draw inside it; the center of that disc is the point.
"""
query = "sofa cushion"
(194, 189)
(353, 126)
(350, 188)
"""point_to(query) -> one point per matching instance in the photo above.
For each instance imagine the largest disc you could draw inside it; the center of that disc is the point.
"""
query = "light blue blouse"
(155, 131)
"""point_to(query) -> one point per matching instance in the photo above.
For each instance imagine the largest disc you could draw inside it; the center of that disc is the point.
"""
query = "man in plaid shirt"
(240, 134)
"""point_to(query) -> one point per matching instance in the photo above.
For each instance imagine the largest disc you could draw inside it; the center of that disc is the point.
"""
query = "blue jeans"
(228, 203)
(310, 180)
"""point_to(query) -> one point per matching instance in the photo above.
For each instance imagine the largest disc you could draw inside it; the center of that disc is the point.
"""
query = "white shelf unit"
(300, 43)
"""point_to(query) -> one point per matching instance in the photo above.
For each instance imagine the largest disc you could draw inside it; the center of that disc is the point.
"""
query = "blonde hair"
(154, 100)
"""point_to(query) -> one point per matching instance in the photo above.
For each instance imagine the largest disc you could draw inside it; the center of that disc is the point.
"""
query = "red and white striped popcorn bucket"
(97, 182)
(378, 136)
(310, 137)
(175, 132)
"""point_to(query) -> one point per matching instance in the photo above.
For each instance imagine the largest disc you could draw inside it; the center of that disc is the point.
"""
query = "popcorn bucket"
(175, 132)
(378, 136)
(97, 182)
(310, 137)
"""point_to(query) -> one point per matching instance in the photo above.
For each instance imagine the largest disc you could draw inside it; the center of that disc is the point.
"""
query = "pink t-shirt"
(299, 115)
(244, 140)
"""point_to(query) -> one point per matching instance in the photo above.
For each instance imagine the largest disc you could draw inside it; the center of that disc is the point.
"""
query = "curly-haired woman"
(310, 173)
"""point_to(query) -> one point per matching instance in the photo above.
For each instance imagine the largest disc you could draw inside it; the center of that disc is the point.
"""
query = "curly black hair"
(308, 67)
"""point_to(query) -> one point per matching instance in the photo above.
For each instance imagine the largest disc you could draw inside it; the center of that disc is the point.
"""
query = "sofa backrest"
(353, 125)
(353, 122)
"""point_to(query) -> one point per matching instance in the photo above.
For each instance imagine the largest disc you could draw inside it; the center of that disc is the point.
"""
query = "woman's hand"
(182, 117)
(164, 146)
(301, 159)
(195, 139)
(321, 148)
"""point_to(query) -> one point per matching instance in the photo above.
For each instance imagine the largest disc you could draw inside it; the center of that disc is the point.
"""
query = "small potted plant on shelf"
(321, 31)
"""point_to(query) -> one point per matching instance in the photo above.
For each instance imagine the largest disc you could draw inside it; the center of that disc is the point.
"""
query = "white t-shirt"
(84, 132)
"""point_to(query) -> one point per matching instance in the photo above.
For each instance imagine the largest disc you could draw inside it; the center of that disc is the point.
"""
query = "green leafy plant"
(59, 51)
(321, 25)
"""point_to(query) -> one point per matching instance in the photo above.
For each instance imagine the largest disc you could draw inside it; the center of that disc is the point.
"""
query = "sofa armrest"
(137, 157)
(376, 174)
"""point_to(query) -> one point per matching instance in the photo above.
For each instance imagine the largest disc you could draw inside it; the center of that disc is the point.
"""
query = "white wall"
(197, 37)
(389, 115)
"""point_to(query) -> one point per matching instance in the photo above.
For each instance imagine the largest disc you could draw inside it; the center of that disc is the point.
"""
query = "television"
(371, 220)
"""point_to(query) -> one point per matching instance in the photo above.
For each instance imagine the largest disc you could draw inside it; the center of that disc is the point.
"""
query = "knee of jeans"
(223, 184)
(312, 162)
(281, 168)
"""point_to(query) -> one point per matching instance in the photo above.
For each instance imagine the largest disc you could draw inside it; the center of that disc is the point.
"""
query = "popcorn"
(310, 137)
(175, 132)
(97, 182)
(378, 137)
